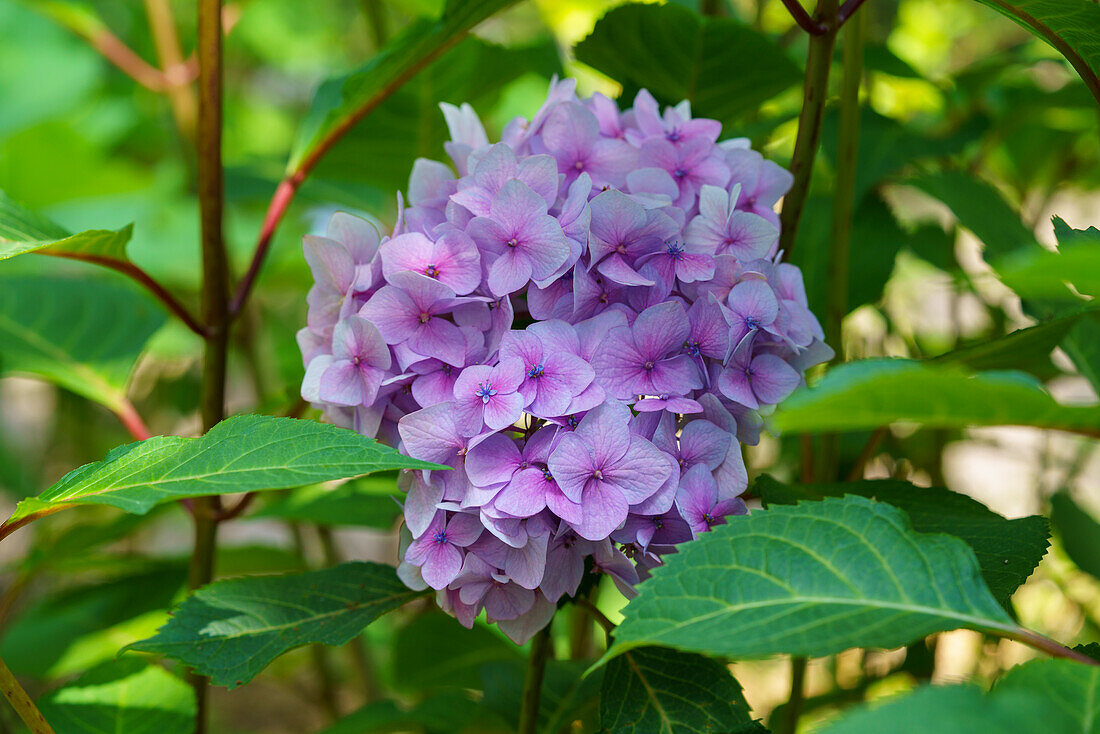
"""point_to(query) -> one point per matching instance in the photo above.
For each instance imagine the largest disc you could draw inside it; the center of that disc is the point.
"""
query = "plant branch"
(803, 19)
(793, 708)
(1044, 644)
(135, 273)
(815, 91)
(593, 610)
(847, 10)
(166, 40)
(22, 703)
(866, 453)
(130, 418)
(215, 292)
(10, 527)
(532, 686)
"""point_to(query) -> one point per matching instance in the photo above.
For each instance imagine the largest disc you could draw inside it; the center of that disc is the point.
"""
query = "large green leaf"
(1078, 531)
(409, 124)
(24, 231)
(723, 67)
(1067, 25)
(1048, 696)
(230, 630)
(128, 696)
(870, 393)
(341, 103)
(654, 690)
(1034, 272)
(241, 454)
(1007, 550)
(980, 208)
(84, 334)
(811, 579)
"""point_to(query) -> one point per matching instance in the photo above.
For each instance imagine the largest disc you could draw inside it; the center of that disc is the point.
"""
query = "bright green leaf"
(1070, 26)
(811, 579)
(1007, 550)
(1049, 696)
(1021, 349)
(241, 454)
(128, 696)
(723, 67)
(654, 690)
(84, 334)
(230, 630)
(341, 103)
(24, 231)
(1078, 531)
(864, 395)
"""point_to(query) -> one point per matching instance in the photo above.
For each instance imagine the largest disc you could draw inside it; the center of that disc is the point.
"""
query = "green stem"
(532, 687)
(793, 709)
(22, 703)
(376, 18)
(815, 90)
(215, 292)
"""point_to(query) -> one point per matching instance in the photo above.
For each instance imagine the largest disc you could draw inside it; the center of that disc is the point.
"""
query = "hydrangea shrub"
(585, 321)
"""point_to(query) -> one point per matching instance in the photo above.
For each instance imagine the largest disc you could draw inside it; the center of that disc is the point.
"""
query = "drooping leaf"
(1067, 25)
(1021, 349)
(1035, 272)
(980, 208)
(230, 630)
(410, 124)
(1049, 696)
(811, 579)
(660, 691)
(84, 334)
(870, 393)
(36, 640)
(1079, 532)
(241, 454)
(21, 231)
(1092, 649)
(679, 55)
(1007, 550)
(341, 103)
(129, 696)
(367, 502)
(435, 651)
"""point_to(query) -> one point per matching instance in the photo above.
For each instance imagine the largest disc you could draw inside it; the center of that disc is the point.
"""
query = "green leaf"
(1078, 531)
(82, 334)
(679, 55)
(1049, 696)
(1092, 649)
(980, 208)
(864, 395)
(244, 453)
(1026, 349)
(24, 231)
(230, 630)
(122, 696)
(409, 124)
(1007, 550)
(52, 626)
(341, 103)
(568, 695)
(654, 690)
(445, 712)
(1035, 272)
(811, 579)
(434, 651)
(367, 502)
(1067, 25)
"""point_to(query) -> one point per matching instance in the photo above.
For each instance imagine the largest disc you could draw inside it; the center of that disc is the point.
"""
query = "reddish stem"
(130, 418)
(803, 19)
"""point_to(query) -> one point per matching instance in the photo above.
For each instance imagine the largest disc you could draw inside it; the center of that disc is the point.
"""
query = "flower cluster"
(584, 324)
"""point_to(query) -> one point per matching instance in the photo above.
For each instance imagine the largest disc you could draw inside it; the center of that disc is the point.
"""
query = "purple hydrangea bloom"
(583, 322)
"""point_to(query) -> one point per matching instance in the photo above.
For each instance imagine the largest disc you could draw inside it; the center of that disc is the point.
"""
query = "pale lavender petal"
(420, 504)
(493, 461)
(503, 410)
(330, 262)
(605, 509)
(431, 434)
(773, 379)
(661, 329)
(640, 472)
(442, 565)
(571, 465)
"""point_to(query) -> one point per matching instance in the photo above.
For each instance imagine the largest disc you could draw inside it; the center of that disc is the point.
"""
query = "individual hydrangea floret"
(584, 322)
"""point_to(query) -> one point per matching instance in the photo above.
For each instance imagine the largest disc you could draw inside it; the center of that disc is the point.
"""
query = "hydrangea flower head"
(583, 321)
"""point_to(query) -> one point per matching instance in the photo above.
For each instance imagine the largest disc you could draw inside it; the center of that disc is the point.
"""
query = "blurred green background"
(972, 129)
